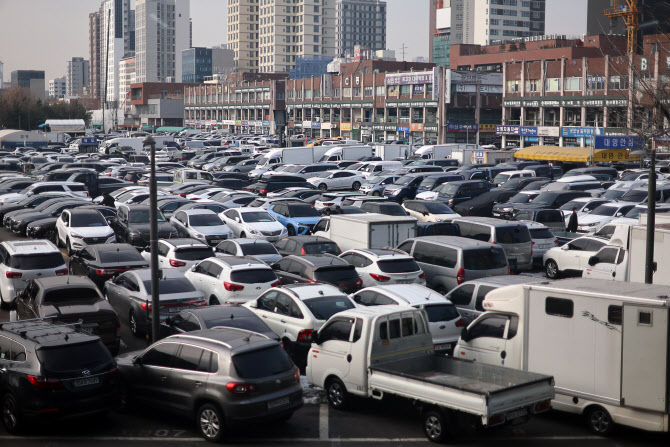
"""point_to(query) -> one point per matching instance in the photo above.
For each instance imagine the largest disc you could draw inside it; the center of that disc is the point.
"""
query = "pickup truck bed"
(475, 388)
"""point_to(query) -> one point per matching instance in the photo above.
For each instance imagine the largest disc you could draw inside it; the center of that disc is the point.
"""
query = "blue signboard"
(403, 129)
(531, 139)
(316, 125)
(89, 141)
(630, 142)
(528, 131)
(462, 127)
(580, 132)
(507, 130)
(266, 123)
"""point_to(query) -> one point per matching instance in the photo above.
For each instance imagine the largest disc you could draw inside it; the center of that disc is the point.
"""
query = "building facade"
(243, 29)
(2, 75)
(115, 44)
(57, 88)
(78, 76)
(162, 32)
(94, 45)
(359, 22)
(126, 79)
(30, 80)
(156, 104)
(200, 63)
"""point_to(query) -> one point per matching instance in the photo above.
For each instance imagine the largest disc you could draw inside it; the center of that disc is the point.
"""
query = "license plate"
(278, 403)
(445, 347)
(516, 414)
(216, 241)
(175, 309)
(87, 381)
(404, 281)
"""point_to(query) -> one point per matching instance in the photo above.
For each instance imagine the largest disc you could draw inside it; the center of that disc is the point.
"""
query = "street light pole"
(153, 242)
(650, 265)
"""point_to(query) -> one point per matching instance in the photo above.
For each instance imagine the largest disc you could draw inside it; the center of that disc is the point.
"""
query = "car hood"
(145, 227)
(428, 195)
(207, 231)
(265, 226)
(30, 216)
(592, 218)
(93, 231)
(11, 198)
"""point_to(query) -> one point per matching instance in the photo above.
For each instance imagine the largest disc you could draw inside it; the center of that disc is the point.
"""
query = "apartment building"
(359, 22)
(78, 76)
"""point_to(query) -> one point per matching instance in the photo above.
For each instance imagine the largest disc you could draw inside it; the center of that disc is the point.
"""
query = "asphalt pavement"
(391, 422)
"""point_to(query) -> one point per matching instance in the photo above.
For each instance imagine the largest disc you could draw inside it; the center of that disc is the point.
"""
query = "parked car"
(180, 254)
(573, 257)
(306, 245)
(249, 377)
(101, 262)
(19, 222)
(551, 218)
(374, 186)
(131, 225)
(602, 215)
(253, 223)
(298, 218)
(130, 295)
(70, 300)
(78, 228)
(453, 193)
(318, 268)
(429, 210)
(384, 266)
(483, 204)
(203, 225)
(331, 180)
(389, 209)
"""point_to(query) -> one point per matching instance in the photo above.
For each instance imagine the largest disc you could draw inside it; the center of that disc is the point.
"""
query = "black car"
(15, 185)
(6, 219)
(275, 183)
(43, 229)
(232, 183)
(433, 181)
(390, 209)
(405, 188)
(170, 205)
(28, 203)
(101, 262)
(19, 222)
(327, 269)
(517, 184)
(215, 316)
(51, 370)
(551, 200)
(454, 193)
(306, 245)
(131, 225)
(483, 204)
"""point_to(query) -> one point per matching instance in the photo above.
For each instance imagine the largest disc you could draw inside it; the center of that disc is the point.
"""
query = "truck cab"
(610, 263)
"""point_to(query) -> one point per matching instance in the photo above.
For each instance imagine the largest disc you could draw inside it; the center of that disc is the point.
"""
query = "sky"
(45, 34)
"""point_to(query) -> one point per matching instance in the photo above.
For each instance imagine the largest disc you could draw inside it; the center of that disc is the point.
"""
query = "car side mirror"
(253, 304)
(237, 219)
(137, 361)
(593, 260)
(619, 214)
(316, 339)
(465, 335)
(565, 247)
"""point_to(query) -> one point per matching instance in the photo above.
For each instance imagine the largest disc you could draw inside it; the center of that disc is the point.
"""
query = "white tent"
(69, 126)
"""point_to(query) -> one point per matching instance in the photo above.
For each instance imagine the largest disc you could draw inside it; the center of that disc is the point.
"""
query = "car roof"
(84, 211)
(308, 239)
(145, 274)
(412, 293)
(320, 260)
(195, 211)
(505, 280)
(455, 241)
(112, 247)
(234, 339)
(65, 282)
(221, 311)
(240, 261)
(381, 252)
(309, 291)
(184, 242)
(30, 247)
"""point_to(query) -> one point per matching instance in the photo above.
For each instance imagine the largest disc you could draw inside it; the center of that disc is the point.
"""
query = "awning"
(573, 154)
(171, 129)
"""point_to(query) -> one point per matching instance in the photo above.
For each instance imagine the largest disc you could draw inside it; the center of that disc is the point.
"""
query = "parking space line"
(323, 422)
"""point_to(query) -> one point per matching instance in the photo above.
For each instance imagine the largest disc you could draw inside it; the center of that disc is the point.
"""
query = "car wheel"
(323, 187)
(338, 398)
(11, 414)
(134, 327)
(236, 170)
(214, 301)
(551, 268)
(599, 421)
(356, 186)
(434, 426)
(291, 230)
(210, 423)
(377, 194)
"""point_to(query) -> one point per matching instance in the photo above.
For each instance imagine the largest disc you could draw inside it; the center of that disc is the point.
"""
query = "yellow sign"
(615, 155)
(487, 127)
(345, 126)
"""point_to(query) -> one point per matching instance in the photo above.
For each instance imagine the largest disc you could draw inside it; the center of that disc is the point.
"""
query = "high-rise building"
(78, 76)
(94, 41)
(2, 76)
(432, 26)
(57, 87)
(359, 22)
(243, 30)
(31, 80)
(126, 77)
(115, 44)
(162, 32)
(199, 63)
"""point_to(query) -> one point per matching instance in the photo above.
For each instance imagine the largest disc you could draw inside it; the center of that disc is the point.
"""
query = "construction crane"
(629, 12)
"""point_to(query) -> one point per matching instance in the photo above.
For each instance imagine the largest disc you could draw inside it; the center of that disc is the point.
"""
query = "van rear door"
(644, 376)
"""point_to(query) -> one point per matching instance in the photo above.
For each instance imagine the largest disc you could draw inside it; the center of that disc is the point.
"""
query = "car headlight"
(589, 224)
(507, 209)
(78, 236)
(199, 236)
(134, 234)
(256, 232)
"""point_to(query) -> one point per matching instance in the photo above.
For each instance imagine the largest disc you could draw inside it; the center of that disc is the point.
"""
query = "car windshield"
(258, 248)
(257, 216)
(71, 295)
(292, 168)
(635, 212)
(111, 256)
(356, 166)
(605, 210)
(521, 198)
(613, 194)
(571, 205)
(438, 208)
(253, 276)
(441, 312)
(448, 189)
(74, 357)
(484, 258)
(306, 210)
(318, 248)
(193, 253)
(629, 176)
(262, 363)
(142, 216)
(635, 196)
(398, 266)
(205, 220)
(392, 209)
(40, 261)
(541, 233)
(325, 307)
(404, 181)
(168, 286)
(88, 220)
(517, 234)
(428, 182)
(544, 199)
(501, 178)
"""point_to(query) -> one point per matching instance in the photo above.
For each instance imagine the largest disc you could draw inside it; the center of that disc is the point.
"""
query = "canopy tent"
(573, 154)
(171, 129)
(67, 126)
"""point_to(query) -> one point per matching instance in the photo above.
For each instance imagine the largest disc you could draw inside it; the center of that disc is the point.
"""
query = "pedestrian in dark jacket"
(107, 200)
(572, 222)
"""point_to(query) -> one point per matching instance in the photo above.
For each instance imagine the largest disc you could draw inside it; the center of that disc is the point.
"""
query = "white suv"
(72, 189)
(180, 254)
(444, 320)
(21, 261)
(573, 257)
(78, 228)
(232, 280)
(384, 266)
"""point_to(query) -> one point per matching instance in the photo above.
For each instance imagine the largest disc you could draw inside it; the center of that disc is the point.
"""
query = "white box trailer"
(490, 156)
(340, 153)
(605, 343)
(351, 231)
(389, 152)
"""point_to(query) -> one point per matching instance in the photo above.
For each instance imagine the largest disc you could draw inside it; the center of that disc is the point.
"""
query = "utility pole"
(153, 242)
(404, 49)
(649, 264)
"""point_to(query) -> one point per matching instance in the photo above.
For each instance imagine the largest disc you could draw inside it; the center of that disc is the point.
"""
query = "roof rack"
(23, 331)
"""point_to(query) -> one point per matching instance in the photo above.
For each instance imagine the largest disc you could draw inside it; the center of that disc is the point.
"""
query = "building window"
(573, 84)
(619, 82)
(552, 85)
(532, 85)
(513, 86)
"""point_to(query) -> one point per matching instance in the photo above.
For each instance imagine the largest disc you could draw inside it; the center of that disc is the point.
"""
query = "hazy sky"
(44, 34)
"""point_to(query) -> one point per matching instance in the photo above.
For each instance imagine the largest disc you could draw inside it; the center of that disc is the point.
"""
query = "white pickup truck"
(373, 351)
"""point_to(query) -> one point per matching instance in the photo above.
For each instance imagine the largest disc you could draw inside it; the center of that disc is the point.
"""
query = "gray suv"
(219, 376)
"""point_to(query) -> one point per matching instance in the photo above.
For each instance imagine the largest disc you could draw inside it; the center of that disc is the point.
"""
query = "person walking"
(572, 222)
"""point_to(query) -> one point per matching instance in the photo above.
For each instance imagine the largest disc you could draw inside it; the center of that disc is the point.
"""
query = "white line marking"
(323, 422)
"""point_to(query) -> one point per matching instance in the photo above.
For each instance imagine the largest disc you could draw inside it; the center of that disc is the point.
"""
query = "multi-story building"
(94, 45)
(30, 80)
(156, 104)
(441, 47)
(57, 88)
(114, 45)
(243, 30)
(78, 76)
(359, 22)
(199, 63)
(162, 32)
(126, 78)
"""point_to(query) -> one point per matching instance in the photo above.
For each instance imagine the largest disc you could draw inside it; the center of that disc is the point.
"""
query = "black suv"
(53, 370)
(277, 182)
(131, 225)
(312, 269)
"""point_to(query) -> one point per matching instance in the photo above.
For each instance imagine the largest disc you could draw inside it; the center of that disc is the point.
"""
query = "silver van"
(449, 261)
(513, 237)
(469, 296)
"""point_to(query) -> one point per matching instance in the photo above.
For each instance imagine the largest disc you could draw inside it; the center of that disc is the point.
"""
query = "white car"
(573, 257)
(444, 321)
(232, 280)
(384, 266)
(205, 193)
(180, 254)
(253, 223)
(119, 192)
(73, 189)
(201, 224)
(332, 199)
(429, 210)
(256, 248)
(591, 222)
(25, 260)
(330, 180)
(295, 312)
(584, 206)
(78, 228)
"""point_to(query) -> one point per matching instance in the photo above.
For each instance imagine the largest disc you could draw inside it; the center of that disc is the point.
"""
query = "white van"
(376, 167)
(191, 175)
(509, 175)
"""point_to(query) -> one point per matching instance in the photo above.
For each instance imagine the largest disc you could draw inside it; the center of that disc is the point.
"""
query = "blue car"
(298, 218)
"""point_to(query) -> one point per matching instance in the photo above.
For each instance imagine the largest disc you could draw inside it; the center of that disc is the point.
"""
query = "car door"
(607, 264)
(592, 247)
(334, 348)
(189, 376)
(569, 258)
(118, 291)
(487, 338)
(180, 220)
(212, 283)
(62, 224)
(26, 303)
(198, 276)
(152, 371)
(462, 298)
(163, 250)
(289, 317)
(233, 221)
(265, 309)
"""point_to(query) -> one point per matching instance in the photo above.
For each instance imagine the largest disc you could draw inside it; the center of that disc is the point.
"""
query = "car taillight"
(61, 272)
(11, 275)
(305, 335)
(542, 406)
(240, 388)
(232, 287)
(275, 284)
(296, 375)
(329, 204)
(422, 275)
(182, 195)
(44, 382)
(175, 263)
(311, 281)
(358, 283)
(460, 276)
(145, 306)
(380, 278)
(556, 241)
(103, 272)
(460, 322)
(263, 191)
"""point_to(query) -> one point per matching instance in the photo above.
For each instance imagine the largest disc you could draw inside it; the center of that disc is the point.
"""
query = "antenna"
(404, 49)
